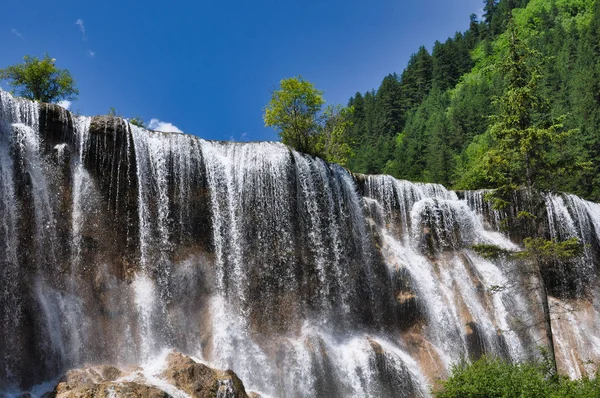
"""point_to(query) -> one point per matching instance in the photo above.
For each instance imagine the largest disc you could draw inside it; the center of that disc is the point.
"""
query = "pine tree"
(416, 79)
(489, 10)
(389, 97)
(523, 144)
(521, 156)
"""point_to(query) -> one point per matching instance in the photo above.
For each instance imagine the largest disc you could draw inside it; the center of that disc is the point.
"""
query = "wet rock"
(102, 381)
(200, 381)
(390, 383)
(56, 126)
(91, 375)
(109, 390)
(182, 372)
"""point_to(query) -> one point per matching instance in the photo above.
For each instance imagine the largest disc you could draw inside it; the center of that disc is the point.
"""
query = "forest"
(435, 121)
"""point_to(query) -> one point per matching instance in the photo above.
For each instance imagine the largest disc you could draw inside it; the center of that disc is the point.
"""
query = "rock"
(56, 126)
(92, 375)
(109, 390)
(182, 372)
(101, 381)
(200, 381)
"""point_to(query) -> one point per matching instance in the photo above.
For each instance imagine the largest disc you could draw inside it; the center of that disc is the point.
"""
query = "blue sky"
(208, 67)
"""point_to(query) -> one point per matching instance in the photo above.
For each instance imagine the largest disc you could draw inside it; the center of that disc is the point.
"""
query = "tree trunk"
(547, 319)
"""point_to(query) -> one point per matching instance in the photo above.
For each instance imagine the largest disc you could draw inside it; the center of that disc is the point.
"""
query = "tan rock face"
(101, 381)
(92, 375)
(109, 390)
(200, 381)
(183, 373)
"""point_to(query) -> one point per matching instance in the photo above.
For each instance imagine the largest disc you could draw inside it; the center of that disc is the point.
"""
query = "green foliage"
(535, 248)
(471, 116)
(40, 80)
(379, 117)
(520, 155)
(332, 140)
(548, 250)
(491, 377)
(425, 152)
(416, 80)
(293, 111)
(490, 251)
(471, 170)
(137, 121)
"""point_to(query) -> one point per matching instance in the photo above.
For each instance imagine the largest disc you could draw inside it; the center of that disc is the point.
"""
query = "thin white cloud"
(91, 53)
(158, 125)
(479, 14)
(65, 104)
(79, 23)
(17, 33)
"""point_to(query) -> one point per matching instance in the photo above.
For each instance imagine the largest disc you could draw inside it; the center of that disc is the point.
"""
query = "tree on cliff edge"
(40, 80)
(295, 111)
(522, 157)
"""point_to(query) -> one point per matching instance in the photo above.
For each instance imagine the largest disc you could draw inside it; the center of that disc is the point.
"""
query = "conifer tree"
(489, 10)
(416, 79)
(521, 157)
(523, 145)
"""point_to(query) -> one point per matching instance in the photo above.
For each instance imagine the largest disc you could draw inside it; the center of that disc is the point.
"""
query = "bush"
(491, 377)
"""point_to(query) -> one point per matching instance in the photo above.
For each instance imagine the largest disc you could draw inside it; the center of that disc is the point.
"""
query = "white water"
(260, 259)
(447, 282)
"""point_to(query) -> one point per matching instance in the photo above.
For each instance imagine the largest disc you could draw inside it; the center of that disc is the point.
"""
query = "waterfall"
(118, 243)
(449, 285)
(10, 272)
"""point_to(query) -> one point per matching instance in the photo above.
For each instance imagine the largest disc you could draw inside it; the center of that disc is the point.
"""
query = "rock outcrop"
(181, 376)
(200, 381)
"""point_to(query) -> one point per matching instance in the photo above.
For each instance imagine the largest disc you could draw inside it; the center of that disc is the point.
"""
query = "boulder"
(101, 381)
(109, 390)
(200, 381)
(181, 372)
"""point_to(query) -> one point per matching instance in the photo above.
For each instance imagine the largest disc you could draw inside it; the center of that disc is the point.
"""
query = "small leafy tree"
(40, 80)
(294, 112)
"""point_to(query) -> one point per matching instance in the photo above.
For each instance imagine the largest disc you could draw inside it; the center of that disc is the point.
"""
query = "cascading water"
(10, 272)
(118, 243)
(447, 281)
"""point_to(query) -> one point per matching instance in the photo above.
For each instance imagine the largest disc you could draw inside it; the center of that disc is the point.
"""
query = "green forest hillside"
(433, 122)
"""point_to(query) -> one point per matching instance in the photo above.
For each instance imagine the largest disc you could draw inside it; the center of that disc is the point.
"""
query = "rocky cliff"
(117, 243)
